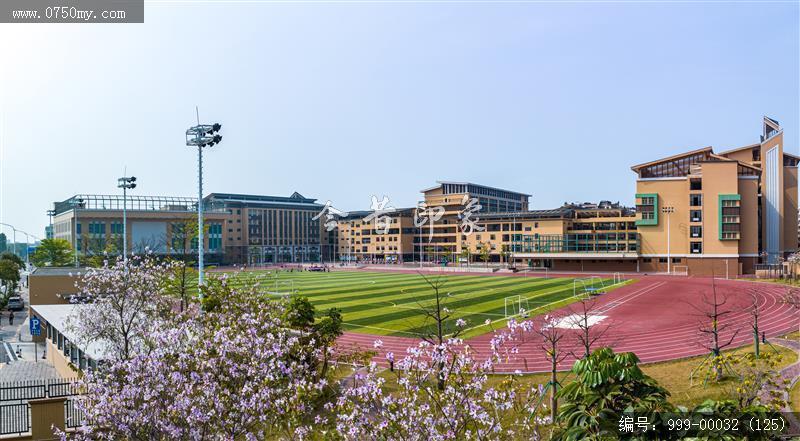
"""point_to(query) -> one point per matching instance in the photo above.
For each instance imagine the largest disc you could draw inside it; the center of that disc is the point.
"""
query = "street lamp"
(28, 247)
(125, 183)
(201, 135)
(668, 210)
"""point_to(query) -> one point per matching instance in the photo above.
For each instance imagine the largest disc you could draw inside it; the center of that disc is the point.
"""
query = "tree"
(14, 258)
(715, 335)
(183, 251)
(465, 253)
(235, 372)
(53, 252)
(437, 327)
(505, 253)
(467, 408)
(485, 252)
(606, 385)
(121, 304)
(9, 275)
(588, 334)
(550, 336)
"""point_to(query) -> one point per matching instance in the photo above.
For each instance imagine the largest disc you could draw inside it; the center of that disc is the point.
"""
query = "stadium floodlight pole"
(125, 183)
(50, 214)
(668, 210)
(201, 135)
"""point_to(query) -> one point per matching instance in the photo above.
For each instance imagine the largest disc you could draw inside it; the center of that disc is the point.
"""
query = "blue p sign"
(36, 326)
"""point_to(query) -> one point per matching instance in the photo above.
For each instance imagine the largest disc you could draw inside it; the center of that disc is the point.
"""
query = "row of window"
(75, 355)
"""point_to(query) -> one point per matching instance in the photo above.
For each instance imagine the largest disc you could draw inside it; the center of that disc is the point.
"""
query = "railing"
(73, 417)
(36, 389)
(15, 418)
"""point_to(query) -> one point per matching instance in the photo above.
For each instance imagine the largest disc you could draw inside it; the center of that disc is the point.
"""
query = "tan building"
(93, 225)
(251, 229)
(361, 240)
(719, 213)
(270, 229)
(453, 205)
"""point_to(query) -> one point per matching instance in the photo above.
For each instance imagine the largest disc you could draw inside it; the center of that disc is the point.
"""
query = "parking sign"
(36, 326)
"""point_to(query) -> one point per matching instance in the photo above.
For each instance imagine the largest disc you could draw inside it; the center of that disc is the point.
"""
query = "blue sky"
(342, 101)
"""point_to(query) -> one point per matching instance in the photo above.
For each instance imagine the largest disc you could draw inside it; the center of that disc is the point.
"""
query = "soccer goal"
(680, 270)
(588, 286)
(618, 278)
(283, 288)
(540, 270)
(516, 305)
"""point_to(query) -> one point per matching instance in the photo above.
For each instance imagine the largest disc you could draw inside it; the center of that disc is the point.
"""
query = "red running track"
(654, 317)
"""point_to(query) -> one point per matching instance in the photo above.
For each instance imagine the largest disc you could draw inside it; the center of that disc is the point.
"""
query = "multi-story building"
(270, 229)
(239, 228)
(719, 213)
(597, 237)
(363, 239)
(451, 206)
(93, 224)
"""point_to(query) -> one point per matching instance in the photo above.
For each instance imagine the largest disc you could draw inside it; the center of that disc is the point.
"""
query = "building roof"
(295, 200)
(673, 157)
(59, 271)
(554, 213)
(133, 202)
(58, 316)
(440, 183)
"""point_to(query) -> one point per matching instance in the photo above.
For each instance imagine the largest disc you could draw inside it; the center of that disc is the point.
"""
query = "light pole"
(125, 183)
(201, 135)
(668, 210)
(50, 214)
(75, 205)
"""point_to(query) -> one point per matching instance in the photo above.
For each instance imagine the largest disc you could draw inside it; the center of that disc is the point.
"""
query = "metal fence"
(15, 418)
(73, 417)
(35, 389)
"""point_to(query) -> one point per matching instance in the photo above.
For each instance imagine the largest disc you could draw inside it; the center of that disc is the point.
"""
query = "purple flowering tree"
(234, 372)
(471, 405)
(120, 305)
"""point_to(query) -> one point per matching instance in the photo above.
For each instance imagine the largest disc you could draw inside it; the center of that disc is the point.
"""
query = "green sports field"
(391, 303)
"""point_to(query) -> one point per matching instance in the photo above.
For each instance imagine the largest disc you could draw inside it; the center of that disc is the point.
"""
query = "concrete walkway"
(791, 373)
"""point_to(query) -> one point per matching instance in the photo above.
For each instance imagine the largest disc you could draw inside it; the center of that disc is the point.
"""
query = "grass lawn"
(390, 303)
(672, 375)
(794, 397)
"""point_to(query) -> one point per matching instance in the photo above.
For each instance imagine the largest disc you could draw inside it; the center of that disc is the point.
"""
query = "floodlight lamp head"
(132, 186)
(216, 127)
(217, 139)
(132, 179)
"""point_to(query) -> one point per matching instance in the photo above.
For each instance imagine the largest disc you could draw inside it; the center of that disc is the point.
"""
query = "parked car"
(15, 303)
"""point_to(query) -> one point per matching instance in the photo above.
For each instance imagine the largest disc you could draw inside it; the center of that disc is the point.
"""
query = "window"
(695, 184)
(647, 208)
(647, 260)
(676, 260)
(695, 215)
(662, 260)
(696, 247)
(695, 200)
(695, 231)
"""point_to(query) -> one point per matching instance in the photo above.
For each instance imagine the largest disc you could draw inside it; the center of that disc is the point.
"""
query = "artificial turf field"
(390, 303)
